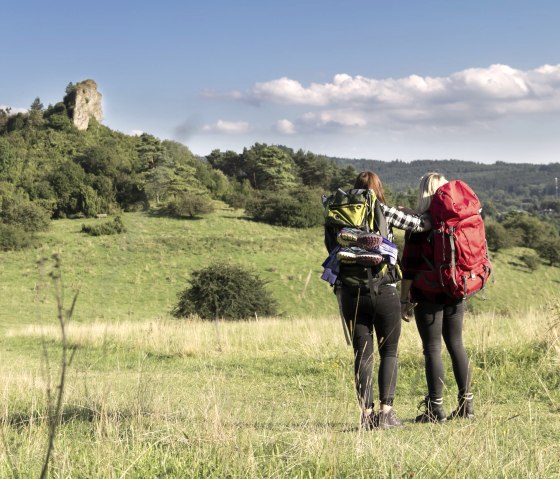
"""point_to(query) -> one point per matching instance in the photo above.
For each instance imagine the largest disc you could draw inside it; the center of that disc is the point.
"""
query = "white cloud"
(228, 127)
(471, 95)
(286, 127)
(342, 118)
(136, 132)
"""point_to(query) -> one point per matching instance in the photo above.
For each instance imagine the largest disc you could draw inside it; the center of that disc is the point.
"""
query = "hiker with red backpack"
(441, 268)
(362, 268)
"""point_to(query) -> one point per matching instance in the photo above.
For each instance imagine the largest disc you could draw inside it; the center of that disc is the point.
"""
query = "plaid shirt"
(401, 220)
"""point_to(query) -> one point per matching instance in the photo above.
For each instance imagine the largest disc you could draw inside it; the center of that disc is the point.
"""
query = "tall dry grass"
(274, 398)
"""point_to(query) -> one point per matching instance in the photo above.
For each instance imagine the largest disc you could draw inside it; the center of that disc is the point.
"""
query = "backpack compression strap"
(379, 222)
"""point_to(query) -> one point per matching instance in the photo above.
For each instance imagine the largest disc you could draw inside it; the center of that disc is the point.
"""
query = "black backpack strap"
(379, 219)
(380, 226)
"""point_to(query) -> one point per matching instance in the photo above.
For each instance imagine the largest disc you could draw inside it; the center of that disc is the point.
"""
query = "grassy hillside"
(150, 396)
(137, 275)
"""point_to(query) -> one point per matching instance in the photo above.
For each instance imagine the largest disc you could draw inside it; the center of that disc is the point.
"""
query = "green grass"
(274, 398)
(152, 397)
(137, 275)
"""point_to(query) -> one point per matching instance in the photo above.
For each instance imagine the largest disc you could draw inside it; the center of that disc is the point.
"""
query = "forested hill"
(53, 166)
(509, 184)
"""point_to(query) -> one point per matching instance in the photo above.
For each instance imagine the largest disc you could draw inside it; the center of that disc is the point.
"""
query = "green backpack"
(358, 209)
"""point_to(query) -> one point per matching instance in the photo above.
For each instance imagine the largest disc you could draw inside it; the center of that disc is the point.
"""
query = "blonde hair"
(429, 183)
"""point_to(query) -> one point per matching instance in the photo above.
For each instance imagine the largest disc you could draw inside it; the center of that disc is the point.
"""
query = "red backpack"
(456, 251)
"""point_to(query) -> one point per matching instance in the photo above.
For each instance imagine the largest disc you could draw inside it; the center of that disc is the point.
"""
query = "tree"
(35, 119)
(230, 163)
(4, 115)
(151, 152)
(549, 250)
(274, 169)
(158, 183)
(67, 182)
(532, 229)
(57, 118)
(16, 122)
(343, 178)
(497, 236)
(314, 170)
(298, 208)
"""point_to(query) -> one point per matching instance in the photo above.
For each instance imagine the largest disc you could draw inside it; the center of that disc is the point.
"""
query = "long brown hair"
(368, 180)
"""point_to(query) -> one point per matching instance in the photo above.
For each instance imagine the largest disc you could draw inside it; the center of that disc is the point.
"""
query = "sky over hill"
(476, 81)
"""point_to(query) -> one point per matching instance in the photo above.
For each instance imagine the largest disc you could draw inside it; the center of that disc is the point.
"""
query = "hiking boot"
(369, 241)
(348, 236)
(369, 420)
(388, 420)
(353, 254)
(433, 410)
(465, 409)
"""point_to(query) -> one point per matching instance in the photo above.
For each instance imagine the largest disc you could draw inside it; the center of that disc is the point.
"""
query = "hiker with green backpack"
(363, 269)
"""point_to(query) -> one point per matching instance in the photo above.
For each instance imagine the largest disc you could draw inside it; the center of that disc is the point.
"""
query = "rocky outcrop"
(83, 102)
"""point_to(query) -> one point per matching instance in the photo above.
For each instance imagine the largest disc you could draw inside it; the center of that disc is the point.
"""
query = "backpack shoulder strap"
(378, 221)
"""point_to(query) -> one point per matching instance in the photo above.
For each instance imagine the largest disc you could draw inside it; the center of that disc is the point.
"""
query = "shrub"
(23, 213)
(531, 261)
(189, 205)
(549, 250)
(236, 199)
(497, 236)
(297, 208)
(226, 292)
(107, 228)
(13, 237)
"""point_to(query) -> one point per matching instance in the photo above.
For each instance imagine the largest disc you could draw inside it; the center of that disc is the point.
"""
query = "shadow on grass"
(163, 213)
(522, 268)
(69, 414)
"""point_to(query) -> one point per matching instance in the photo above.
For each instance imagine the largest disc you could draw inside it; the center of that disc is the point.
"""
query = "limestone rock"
(83, 103)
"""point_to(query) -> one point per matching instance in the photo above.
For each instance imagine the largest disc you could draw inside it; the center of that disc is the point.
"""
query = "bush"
(549, 250)
(13, 237)
(225, 292)
(239, 194)
(497, 236)
(189, 205)
(23, 213)
(236, 199)
(531, 261)
(107, 228)
(297, 208)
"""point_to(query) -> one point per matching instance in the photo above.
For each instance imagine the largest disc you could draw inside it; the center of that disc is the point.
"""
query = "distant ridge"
(487, 180)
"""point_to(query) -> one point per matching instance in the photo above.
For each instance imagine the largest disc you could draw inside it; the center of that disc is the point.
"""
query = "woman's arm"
(407, 307)
(405, 221)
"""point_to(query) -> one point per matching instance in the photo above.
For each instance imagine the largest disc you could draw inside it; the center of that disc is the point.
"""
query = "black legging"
(363, 315)
(434, 321)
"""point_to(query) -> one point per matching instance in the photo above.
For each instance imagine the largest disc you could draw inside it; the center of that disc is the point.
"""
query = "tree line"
(50, 170)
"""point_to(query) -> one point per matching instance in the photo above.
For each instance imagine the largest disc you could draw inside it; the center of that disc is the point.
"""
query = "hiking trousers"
(433, 321)
(365, 315)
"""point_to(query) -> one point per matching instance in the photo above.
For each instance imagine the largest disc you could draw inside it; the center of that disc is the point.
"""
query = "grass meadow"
(149, 396)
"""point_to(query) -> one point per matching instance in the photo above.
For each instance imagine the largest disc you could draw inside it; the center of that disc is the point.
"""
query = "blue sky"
(476, 80)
